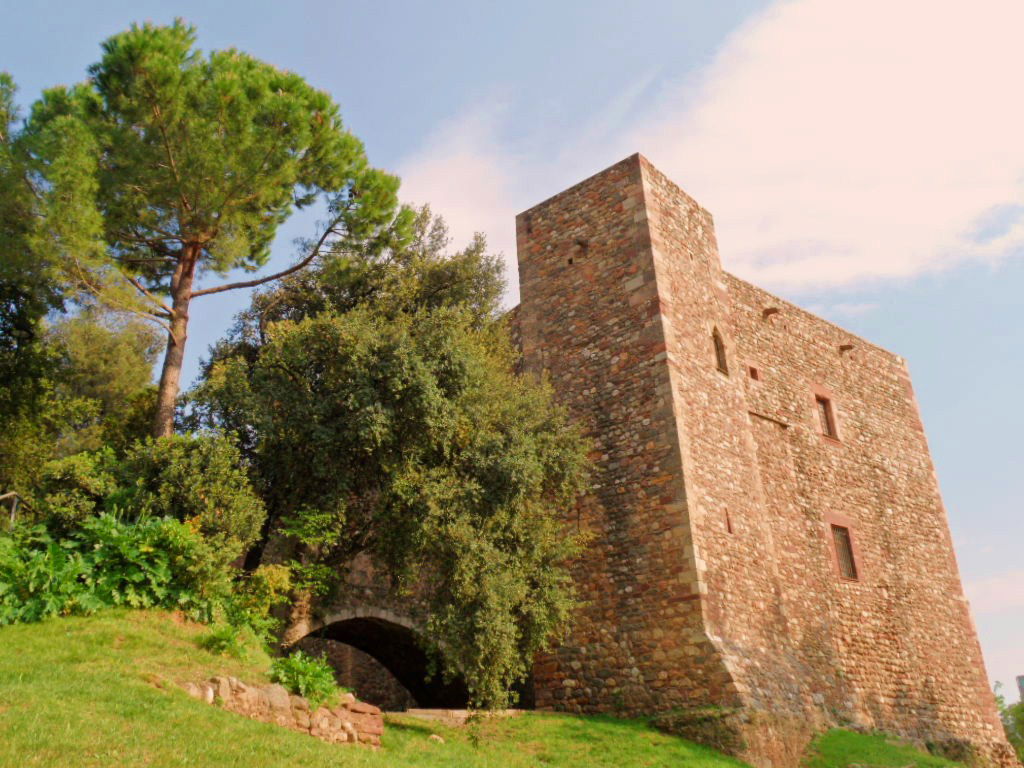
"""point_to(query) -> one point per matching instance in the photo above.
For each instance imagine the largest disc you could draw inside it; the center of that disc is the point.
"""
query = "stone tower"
(768, 533)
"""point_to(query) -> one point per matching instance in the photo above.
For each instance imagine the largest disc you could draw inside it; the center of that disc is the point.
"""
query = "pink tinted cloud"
(836, 143)
(1002, 592)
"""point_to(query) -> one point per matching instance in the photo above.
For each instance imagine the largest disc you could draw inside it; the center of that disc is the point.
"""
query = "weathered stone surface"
(278, 698)
(351, 722)
(712, 578)
(363, 707)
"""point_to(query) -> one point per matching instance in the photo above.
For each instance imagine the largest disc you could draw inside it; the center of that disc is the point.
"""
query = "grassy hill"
(103, 691)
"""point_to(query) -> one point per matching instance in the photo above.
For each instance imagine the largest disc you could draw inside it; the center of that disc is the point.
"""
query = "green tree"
(198, 479)
(1012, 716)
(106, 360)
(377, 398)
(105, 357)
(27, 294)
(413, 271)
(90, 387)
(167, 164)
(410, 439)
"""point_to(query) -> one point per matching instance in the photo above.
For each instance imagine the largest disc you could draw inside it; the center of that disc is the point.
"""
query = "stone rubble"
(351, 722)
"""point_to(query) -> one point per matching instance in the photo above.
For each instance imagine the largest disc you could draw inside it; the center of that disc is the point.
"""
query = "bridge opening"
(384, 664)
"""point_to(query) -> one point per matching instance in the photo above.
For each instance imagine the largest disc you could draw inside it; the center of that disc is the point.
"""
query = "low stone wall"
(351, 722)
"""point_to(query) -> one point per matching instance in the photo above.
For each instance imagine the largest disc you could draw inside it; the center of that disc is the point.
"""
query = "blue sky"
(860, 159)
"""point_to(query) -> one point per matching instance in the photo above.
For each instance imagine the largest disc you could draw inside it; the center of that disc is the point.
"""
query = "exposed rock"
(351, 722)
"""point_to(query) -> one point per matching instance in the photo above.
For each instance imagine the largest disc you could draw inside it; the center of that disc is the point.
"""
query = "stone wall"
(712, 578)
(351, 722)
(896, 648)
(590, 317)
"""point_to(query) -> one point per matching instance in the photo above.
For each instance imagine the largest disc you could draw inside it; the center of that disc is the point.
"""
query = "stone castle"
(771, 553)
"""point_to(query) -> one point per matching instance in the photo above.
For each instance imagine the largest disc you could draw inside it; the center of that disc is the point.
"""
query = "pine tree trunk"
(174, 357)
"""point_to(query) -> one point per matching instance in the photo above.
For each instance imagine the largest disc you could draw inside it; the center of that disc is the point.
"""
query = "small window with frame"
(842, 541)
(826, 417)
(720, 359)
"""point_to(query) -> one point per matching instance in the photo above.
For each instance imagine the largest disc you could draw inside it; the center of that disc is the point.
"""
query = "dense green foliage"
(105, 357)
(1012, 716)
(196, 479)
(450, 470)
(159, 525)
(89, 389)
(305, 675)
(253, 597)
(105, 360)
(244, 618)
(167, 164)
(199, 478)
(27, 290)
(105, 691)
(1013, 719)
(106, 562)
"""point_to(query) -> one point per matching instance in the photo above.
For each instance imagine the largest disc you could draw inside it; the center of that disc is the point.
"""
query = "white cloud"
(465, 174)
(998, 593)
(836, 143)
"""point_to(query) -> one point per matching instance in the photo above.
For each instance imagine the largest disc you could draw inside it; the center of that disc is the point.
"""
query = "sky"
(865, 160)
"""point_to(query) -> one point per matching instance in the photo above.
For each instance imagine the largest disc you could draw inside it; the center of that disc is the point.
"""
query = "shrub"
(201, 479)
(107, 562)
(39, 578)
(76, 487)
(254, 595)
(305, 675)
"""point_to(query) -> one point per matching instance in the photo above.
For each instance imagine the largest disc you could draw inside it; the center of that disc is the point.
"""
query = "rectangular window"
(844, 552)
(828, 422)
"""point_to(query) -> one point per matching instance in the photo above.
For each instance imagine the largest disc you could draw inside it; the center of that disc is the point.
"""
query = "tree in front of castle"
(167, 165)
(377, 402)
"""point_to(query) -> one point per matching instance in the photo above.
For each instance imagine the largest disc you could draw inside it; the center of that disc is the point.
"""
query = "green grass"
(838, 749)
(103, 691)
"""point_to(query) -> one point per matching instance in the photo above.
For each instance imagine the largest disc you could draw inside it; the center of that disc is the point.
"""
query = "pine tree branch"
(277, 275)
(97, 292)
(147, 294)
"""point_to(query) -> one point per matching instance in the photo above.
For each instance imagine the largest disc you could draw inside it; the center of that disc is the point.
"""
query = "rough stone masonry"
(769, 537)
(350, 722)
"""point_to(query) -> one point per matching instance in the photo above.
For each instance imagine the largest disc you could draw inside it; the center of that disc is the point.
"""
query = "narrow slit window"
(826, 417)
(720, 359)
(844, 552)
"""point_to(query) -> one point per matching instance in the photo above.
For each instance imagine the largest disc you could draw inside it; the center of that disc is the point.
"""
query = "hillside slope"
(103, 691)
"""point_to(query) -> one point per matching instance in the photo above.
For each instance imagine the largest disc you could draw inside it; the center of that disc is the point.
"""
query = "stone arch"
(391, 639)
